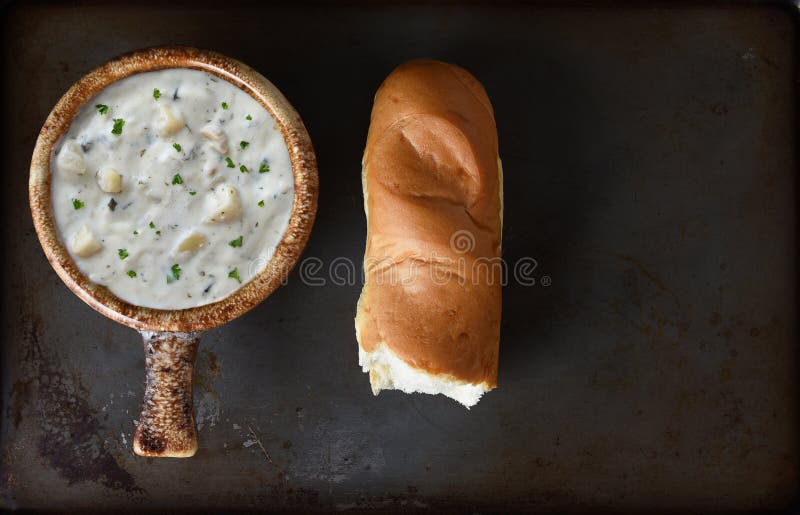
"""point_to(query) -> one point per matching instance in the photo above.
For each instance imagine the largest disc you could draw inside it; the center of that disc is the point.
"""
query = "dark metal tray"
(650, 170)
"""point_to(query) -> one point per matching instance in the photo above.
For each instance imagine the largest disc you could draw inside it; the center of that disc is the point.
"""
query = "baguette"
(428, 319)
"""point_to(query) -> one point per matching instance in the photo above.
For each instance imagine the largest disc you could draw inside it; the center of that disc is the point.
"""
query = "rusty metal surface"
(650, 169)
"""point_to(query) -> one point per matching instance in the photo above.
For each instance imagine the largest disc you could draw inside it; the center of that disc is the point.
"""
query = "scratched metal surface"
(650, 169)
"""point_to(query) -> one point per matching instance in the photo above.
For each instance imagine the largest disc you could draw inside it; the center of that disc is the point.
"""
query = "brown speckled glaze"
(169, 360)
(155, 436)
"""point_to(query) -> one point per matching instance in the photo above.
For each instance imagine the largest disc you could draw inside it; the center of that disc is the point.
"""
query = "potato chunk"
(170, 120)
(193, 242)
(214, 133)
(84, 243)
(225, 204)
(109, 180)
(70, 158)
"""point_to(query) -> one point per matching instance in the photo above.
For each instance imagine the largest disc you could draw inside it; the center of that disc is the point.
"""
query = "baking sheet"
(650, 171)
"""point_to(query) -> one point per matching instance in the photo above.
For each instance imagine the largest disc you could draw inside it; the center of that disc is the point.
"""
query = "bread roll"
(428, 319)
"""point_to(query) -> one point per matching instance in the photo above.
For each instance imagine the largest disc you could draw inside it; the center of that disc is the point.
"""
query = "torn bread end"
(388, 372)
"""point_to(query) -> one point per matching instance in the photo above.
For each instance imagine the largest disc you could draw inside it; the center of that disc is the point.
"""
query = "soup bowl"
(166, 426)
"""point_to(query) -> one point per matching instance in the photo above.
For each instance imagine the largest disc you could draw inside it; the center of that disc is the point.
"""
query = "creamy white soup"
(172, 188)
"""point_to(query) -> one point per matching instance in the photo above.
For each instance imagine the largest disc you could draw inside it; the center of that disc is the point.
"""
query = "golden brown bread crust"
(432, 290)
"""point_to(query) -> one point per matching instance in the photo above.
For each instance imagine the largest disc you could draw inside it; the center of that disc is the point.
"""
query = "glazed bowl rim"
(286, 253)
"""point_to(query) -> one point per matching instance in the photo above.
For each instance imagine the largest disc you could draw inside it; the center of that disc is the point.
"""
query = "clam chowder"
(172, 188)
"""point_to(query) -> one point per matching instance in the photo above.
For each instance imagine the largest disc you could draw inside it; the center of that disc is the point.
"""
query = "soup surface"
(172, 188)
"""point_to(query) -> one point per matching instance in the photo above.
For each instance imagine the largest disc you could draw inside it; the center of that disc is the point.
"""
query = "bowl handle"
(166, 426)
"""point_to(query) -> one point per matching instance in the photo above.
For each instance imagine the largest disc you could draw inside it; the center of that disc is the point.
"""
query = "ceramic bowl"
(171, 337)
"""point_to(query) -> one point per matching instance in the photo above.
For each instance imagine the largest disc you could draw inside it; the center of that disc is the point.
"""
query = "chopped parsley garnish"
(136, 233)
(158, 233)
(177, 179)
(156, 93)
(193, 193)
(177, 147)
(118, 124)
(237, 242)
(230, 162)
(249, 117)
(152, 225)
(244, 144)
(260, 203)
(102, 108)
(234, 274)
(176, 273)
(77, 204)
(131, 273)
(225, 105)
(243, 169)
(264, 168)
(142, 152)
(123, 253)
